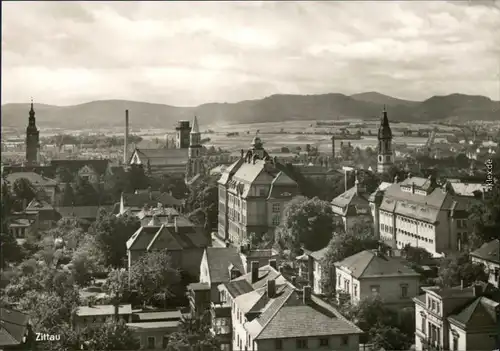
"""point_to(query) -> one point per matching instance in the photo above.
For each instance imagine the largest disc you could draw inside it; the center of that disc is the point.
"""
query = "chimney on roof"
(176, 226)
(413, 188)
(294, 280)
(242, 153)
(150, 192)
(125, 144)
(477, 290)
(228, 244)
(307, 294)
(396, 179)
(462, 284)
(271, 288)
(89, 303)
(255, 271)
(409, 175)
(273, 263)
(282, 270)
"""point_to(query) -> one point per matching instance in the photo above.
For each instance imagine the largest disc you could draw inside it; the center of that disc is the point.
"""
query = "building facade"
(419, 212)
(182, 135)
(371, 273)
(489, 255)
(457, 318)
(252, 195)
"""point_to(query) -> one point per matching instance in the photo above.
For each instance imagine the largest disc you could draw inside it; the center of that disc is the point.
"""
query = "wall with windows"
(492, 268)
(458, 339)
(346, 342)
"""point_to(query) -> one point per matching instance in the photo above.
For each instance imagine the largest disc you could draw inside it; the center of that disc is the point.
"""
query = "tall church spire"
(385, 156)
(194, 127)
(32, 138)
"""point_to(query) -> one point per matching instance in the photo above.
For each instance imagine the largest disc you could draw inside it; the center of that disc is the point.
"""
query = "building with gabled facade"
(457, 318)
(371, 273)
(92, 171)
(184, 242)
(43, 185)
(253, 192)
(489, 255)
(419, 212)
(144, 199)
(352, 206)
(261, 310)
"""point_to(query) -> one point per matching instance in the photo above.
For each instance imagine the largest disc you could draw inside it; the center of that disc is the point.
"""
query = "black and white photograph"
(250, 175)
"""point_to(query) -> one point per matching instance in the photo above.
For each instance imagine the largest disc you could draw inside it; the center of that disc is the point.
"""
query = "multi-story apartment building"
(252, 195)
(457, 318)
(311, 268)
(370, 273)
(263, 311)
(418, 212)
(489, 255)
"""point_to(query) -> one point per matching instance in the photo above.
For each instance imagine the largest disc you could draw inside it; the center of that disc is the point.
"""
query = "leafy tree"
(174, 185)
(308, 223)
(67, 196)
(24, 190)
(64, 175)
(343, 245)
(84, 193)
(194, 334)
(111, 234)
(370, 312)
(108, 337)
(417, 255)
(117, 286)
(137, 178)
(485, 218)
(9, 249)
(324, 188)
(459, 267)
(153, 276)
(388, 338)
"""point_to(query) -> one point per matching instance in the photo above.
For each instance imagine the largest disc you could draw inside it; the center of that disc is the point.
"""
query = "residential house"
(46, 216)
(370, 273)
(15, 330)
(418, 212)
(489, 255)
(352, 206)
(136, 202)
(41, 184)
(252, 195)
(91, 170)
(185, 243)
(457, 318)
(313, 270)
(154, 328)
(263, 256)
(86, 213)
(94, 315)
(268, 313)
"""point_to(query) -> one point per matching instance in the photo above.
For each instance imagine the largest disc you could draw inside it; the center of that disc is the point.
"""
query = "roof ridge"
(155, 237)
(292, 290)
(368, 263)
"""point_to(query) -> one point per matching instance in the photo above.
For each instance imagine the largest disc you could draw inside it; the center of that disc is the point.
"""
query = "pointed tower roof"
(32, 110)
(384, 131)
(195, 128)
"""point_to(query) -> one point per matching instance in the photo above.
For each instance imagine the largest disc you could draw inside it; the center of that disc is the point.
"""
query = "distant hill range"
(275, 108)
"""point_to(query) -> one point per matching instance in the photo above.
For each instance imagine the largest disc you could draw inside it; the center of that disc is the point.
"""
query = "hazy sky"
(195, 52)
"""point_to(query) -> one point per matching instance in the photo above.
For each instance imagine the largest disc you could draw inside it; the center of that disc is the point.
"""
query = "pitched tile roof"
(83, 212)
(369, 263)
(488, 251)
(352, 198)
(218, 261)
(479, 312)
(159, 157)
(13, 327)
(166, 237)
(243, 284)
(146, 197)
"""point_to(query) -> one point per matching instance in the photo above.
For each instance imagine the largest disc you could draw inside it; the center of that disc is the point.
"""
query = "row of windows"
(102, 319)
(418, 237)
(304, 343)
(415, 222)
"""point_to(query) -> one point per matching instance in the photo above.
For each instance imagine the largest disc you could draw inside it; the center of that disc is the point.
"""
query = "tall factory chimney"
(125, 145)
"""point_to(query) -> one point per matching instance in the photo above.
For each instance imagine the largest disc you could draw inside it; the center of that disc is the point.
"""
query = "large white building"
(419, 212)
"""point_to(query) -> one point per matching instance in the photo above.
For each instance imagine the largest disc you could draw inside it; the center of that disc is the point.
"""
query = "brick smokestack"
(125, 144)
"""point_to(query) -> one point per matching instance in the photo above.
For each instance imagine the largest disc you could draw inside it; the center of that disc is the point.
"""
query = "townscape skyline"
(229, 52)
